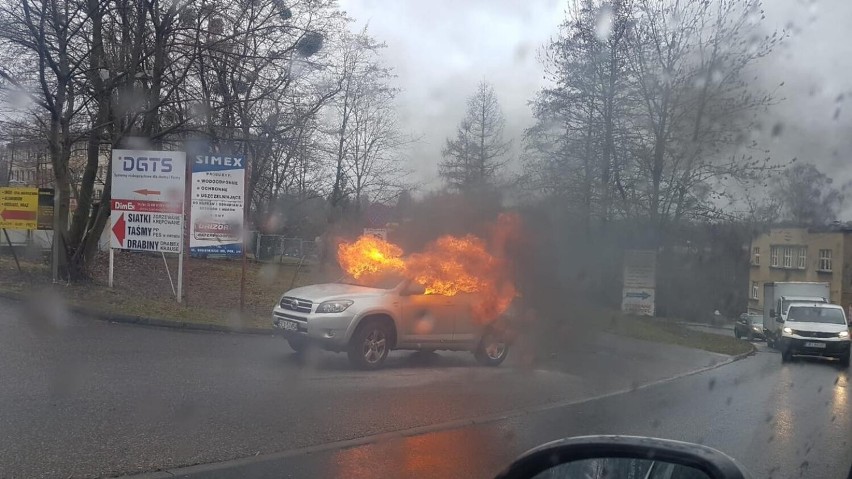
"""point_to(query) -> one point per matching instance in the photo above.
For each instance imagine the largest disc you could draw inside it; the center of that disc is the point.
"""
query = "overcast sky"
(441, 49)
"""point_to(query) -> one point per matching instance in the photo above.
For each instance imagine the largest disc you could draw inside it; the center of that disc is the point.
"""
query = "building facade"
(27, 164)
(800, 254)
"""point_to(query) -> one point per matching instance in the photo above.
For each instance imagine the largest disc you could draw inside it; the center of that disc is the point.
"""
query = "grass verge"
(668, 332)
(142, 289)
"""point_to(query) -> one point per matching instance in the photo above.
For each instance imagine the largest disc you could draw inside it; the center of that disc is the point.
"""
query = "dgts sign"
(142, 163)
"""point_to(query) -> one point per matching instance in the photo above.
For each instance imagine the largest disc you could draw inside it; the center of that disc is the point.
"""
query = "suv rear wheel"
(370, 344)
(492, 349)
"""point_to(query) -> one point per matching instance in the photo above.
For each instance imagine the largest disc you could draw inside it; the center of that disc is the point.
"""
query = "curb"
(705, 325)
(416, 430)
(153, 322)
(166, 323)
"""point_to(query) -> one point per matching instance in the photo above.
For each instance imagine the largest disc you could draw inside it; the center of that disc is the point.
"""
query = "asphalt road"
(81, 398)
(779, 421)
(87, 398)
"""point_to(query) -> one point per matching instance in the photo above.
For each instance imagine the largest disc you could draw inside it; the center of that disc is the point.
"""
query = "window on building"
(754, 290)
(788, 257)
(825, 260)
(755, 255)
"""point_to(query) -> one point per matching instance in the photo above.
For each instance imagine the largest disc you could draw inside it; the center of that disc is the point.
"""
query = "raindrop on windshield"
(603, 23)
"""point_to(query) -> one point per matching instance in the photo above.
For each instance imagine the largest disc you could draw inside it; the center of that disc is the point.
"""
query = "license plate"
(290, 325)
(810, 344)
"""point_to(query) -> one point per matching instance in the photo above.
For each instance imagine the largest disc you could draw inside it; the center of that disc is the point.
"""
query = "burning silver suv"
(368, 322)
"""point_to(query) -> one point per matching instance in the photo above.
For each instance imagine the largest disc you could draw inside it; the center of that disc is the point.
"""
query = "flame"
(369, 255)
(448, 266)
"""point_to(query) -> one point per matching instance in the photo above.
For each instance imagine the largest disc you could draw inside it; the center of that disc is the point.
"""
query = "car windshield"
(813, 314)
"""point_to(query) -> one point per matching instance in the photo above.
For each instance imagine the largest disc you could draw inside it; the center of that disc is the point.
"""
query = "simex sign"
(229, 161)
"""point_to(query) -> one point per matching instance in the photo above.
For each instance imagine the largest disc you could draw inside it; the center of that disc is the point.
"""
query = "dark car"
(750, 326)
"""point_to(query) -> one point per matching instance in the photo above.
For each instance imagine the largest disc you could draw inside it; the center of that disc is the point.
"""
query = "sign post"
(640, 280)
(147, 205)
(218, 208)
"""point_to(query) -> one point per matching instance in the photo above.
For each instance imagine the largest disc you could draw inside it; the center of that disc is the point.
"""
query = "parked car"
(369, 321)
(749, 325)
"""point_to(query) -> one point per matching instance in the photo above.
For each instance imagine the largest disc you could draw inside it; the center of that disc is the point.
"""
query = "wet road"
(792, 420)
(82, 398)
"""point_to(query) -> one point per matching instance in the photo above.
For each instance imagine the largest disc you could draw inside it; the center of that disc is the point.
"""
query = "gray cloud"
(441, 49)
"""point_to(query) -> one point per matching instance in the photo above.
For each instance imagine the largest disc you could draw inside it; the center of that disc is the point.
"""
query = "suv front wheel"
(492, 350)
(370, 344)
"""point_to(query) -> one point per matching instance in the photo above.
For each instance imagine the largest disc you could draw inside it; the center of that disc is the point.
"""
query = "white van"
(815, 329)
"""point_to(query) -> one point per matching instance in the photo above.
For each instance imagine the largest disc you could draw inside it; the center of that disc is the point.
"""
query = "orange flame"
(451, 265)
(369, 255)
(448, 266)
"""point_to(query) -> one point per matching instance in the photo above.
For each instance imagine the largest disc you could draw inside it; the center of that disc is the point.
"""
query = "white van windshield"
(786, 303)
(813, 314)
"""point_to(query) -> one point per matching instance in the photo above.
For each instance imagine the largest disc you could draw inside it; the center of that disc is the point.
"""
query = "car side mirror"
(413, 289)
(771, 313)
(616, 456)
(778, 319)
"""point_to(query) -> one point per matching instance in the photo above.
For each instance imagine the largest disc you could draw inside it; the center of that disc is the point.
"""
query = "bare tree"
(45, 32)
(375, 161)
(365, 138)
(244, 75)
(689, 61)
(806, 196)
(578, 142)
(473, 158)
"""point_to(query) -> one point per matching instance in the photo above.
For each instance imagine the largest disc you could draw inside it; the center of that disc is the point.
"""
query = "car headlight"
(336, 306)
(788, 330)
(843, 334)
(756, 328)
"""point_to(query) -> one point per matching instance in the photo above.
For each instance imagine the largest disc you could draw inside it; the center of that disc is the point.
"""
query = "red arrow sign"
(119, 230)
(147, 192)
(22, 215)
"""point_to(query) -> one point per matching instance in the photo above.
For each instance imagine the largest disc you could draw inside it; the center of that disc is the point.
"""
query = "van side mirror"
(779, 320)
(771, 313)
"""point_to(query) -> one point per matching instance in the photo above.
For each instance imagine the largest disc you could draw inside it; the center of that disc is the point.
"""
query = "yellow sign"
(19, 208)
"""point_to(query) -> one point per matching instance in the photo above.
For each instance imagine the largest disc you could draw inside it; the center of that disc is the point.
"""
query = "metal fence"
(282, 249)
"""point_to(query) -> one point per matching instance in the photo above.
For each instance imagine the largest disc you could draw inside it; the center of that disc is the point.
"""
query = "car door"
(467, 328)
(426, 318)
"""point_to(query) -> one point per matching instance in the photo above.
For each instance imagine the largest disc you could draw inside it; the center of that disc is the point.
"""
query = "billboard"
(217, 200)
(26, 208)
(147, 202)
(639, 281)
